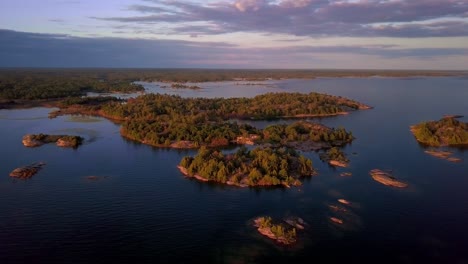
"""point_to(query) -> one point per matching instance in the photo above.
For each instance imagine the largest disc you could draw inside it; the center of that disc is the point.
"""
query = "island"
(36, 140)
(184, 86)
(28, 171)
(162, 120)
(257, 167)
(446, 155)
(279, 232)
(335, 157)
(386, 178)
(447, 131)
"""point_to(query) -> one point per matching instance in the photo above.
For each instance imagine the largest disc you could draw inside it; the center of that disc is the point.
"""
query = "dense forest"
(261, 107)
(447, 131)
(47, 84)
(257, 167)
(32, 84)
(165, 120)
(306, 131)
(162, 120)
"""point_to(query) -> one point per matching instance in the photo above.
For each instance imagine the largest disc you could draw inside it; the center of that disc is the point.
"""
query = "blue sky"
(354, 34)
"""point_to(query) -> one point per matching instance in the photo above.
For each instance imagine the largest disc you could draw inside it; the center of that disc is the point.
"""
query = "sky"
(299, 34)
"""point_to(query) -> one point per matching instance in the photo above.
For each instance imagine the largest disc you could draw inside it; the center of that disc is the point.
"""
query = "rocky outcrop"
(446, 155)
(27, 172)
(29, 141)
(338, 163)
(387, 179)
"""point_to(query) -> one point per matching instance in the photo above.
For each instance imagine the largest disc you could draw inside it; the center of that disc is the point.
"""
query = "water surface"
(141, 208)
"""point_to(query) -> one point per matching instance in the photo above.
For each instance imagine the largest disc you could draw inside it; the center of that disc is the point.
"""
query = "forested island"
(184, 86)
(172, 121)
(257, 167)
(168, 120)
(67, 141)
(279, 232)
(447, 131)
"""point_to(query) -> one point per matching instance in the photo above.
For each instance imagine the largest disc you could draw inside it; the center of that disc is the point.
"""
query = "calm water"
(142, 209)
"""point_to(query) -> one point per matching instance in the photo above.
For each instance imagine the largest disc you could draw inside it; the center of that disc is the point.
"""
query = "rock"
(447, 155)
(338, 163)
(343, 201)
(336, 220)
(386, 179)
(296, 222)
(29, 141)
(27, 172)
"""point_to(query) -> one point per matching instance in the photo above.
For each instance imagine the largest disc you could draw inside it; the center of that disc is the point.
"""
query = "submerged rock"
(27, 172)
(296, 222)
(386, 179)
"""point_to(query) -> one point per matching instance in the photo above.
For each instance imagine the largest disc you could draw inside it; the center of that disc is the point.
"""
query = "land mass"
(28, 171)
(386, 178)
(448, 131)
(278, 232)
(36, 140)
(257, 167)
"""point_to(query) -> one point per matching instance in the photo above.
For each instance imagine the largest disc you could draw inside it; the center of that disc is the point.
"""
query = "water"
(142, 209)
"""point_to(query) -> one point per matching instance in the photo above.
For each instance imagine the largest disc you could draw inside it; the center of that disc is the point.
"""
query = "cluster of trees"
(446, 131)
(305, 131)
(260, 166)
(160, 120)
(183, 86)
(47, 84)
(287, 235)
(266, 106)
(73, 141)
(334, 154)
(201, 134)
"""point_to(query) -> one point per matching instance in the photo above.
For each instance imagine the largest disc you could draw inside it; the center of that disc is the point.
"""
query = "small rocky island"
(28, 171)
(257, 167)
(386, 178)
(448, 131)
(282, 232)
(67, 141)
(335, 157)
(446, 155)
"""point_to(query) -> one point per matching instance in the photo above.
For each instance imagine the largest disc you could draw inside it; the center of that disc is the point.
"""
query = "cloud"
(357, 18)
(22, 49)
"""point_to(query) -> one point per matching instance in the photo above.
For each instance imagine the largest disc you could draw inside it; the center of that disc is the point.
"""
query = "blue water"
(142, 209)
